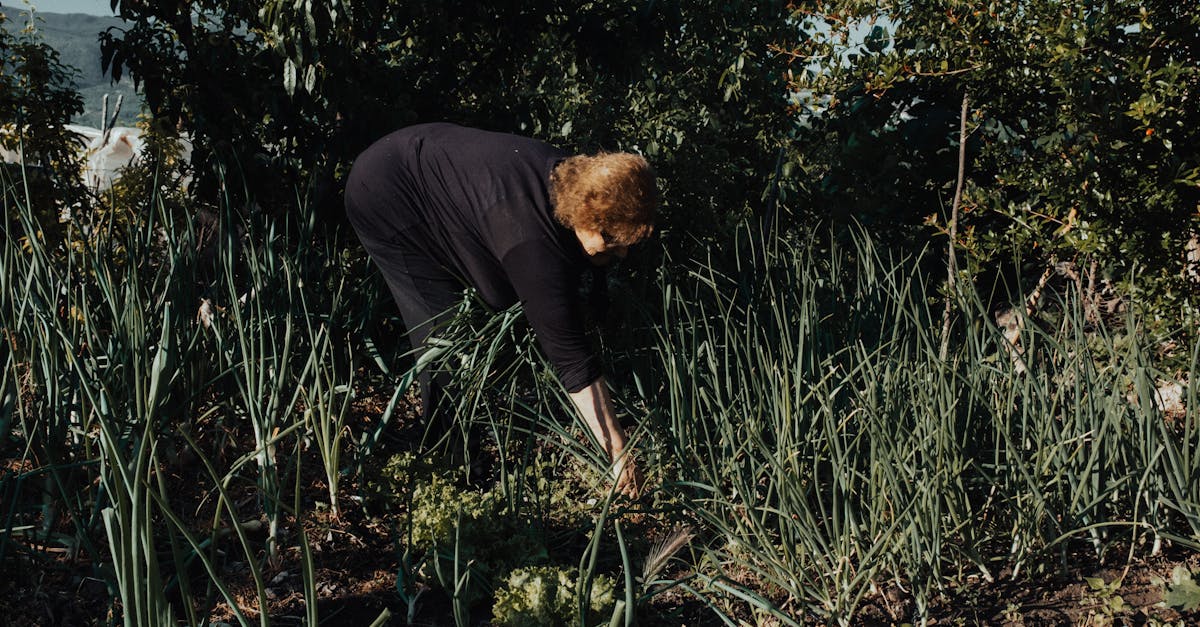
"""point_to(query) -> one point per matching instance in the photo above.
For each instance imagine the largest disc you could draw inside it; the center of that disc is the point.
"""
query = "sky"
(90, 7)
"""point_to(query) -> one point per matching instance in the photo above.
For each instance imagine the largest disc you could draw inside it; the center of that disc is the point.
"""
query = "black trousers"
(424, 290)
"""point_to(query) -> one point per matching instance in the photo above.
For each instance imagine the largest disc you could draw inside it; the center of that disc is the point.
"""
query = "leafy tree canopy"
(37, 99)
(302, 87)
(1083, 123)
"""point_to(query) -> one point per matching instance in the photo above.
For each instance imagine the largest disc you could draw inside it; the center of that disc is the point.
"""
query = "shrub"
(36, 99)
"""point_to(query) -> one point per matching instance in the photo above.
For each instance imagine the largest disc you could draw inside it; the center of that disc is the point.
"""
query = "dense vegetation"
(204, 396)
(75, 38)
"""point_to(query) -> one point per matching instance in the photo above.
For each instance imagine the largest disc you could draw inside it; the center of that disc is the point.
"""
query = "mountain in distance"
(76, 38)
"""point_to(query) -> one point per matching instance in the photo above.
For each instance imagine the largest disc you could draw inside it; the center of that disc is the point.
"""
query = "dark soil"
(1060, 597)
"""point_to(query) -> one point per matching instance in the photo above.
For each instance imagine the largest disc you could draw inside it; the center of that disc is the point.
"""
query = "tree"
(37, 100)
(1083, 125)
(300, 88)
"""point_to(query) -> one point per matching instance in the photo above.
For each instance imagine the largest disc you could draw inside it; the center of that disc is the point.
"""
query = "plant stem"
(951, 258)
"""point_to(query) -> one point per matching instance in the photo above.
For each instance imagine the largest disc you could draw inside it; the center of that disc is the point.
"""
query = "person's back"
(466, 198)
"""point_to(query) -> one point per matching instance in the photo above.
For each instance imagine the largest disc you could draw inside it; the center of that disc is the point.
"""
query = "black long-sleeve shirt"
(478, 203)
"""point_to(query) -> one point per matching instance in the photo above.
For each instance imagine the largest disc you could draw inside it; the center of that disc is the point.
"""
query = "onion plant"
(120, 340)
(792, 396)
(41, 390)
(327, 396)
(832, 451)
(105, 364)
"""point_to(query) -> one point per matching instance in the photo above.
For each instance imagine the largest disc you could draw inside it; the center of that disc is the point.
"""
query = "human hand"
(628, 476)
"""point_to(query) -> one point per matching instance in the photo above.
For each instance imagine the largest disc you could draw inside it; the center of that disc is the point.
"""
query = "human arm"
(595, 406)
(548, 290)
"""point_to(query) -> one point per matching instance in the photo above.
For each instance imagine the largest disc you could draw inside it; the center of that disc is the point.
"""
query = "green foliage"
(37, 97)
(688, 84)
(827, 446)
(74, 36)
(546, 596)
(468, 537)
(1104, 597)
(1082, 143)
(1181, 592)
(820, 443)
(440, 510)
(108, 372)
(104, 352)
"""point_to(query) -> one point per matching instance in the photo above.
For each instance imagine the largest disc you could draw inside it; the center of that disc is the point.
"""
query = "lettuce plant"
(546, 595)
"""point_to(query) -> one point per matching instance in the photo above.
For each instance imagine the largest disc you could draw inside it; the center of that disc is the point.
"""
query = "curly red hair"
(615, 194)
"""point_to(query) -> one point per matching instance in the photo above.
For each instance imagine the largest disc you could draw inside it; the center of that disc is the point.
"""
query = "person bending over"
(440, 207)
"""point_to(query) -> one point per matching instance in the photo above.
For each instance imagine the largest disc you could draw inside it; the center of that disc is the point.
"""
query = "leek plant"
(830, 450)
(327, 397)
(106, 369)
(260, 344)
(283, 341)
(792, 397)
(101, 307)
